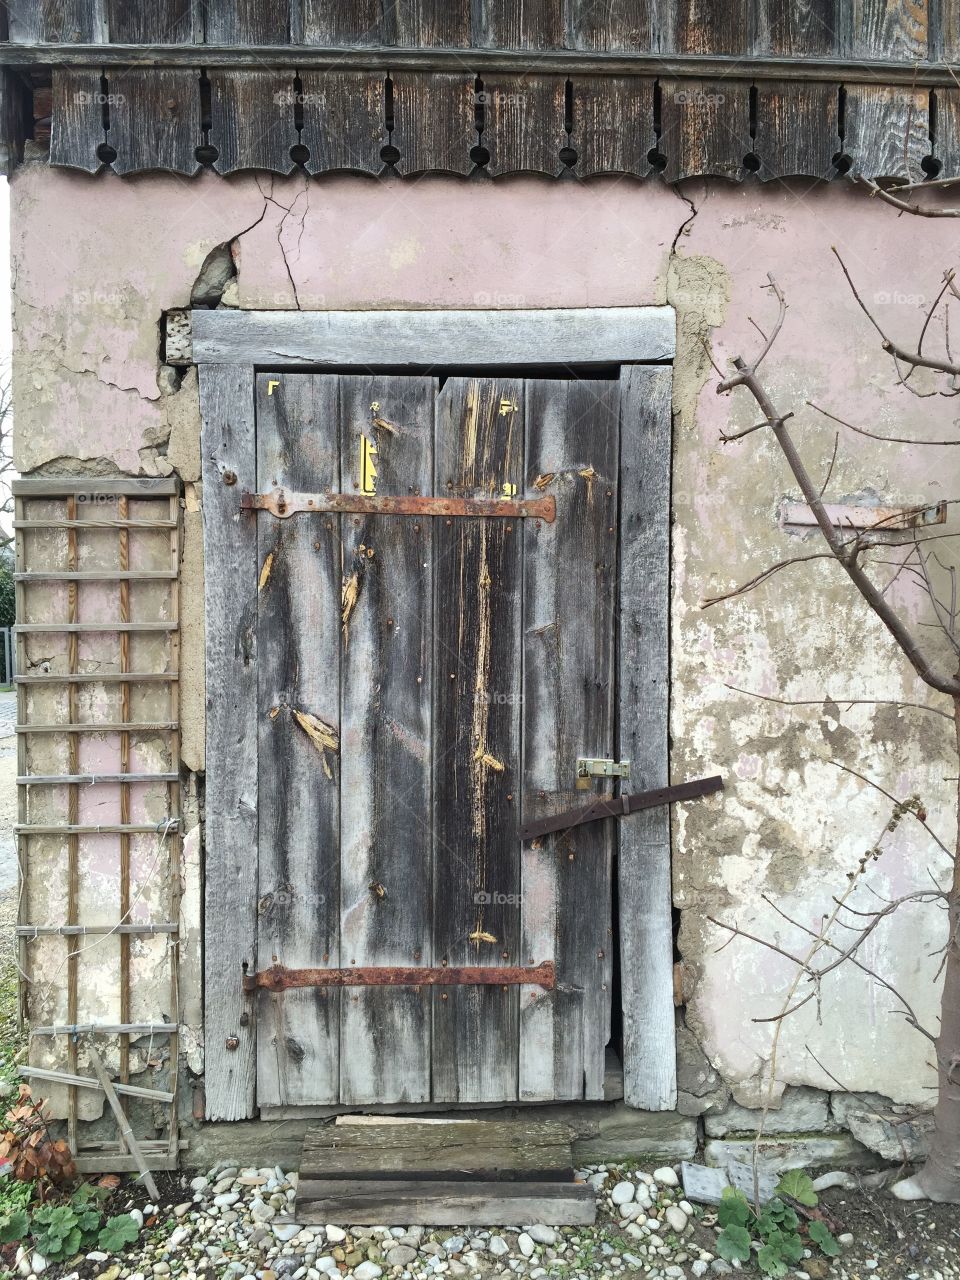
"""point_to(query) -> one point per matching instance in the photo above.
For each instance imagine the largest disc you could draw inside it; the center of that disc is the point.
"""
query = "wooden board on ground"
(446, 1204)
(490, 1150)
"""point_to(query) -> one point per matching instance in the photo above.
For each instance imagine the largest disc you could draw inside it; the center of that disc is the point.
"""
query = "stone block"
(801, 1110)
(836, 1150)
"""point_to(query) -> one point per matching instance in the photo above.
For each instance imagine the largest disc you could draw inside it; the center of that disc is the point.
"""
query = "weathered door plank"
(569, 624)
(646, 933)
(299, 694)
(479, 450)
(386, 842)
(230, 543)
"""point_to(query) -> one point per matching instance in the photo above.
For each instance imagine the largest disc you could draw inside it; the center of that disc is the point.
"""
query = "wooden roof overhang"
(772, 88)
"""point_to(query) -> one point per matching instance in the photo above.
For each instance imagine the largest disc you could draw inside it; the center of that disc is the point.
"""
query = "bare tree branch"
(746, 376)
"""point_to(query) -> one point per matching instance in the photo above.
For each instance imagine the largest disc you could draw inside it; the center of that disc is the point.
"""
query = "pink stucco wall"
(96, 261)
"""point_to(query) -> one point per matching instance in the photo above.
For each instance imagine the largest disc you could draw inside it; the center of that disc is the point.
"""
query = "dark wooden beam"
(479, 61)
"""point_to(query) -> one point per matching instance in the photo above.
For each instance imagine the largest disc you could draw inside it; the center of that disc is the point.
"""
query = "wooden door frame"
(229, 347)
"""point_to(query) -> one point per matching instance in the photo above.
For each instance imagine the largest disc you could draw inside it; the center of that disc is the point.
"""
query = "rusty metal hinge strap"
(283, 504)
(279, 978)
(621, 806)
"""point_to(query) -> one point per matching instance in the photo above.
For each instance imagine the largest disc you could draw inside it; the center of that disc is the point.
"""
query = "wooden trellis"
(98, 663)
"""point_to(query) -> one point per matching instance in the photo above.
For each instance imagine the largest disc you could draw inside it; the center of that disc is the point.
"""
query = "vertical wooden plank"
(645, 900)
(569, 678)
(360, 22)
(705, 128)
(77, 120)
(886, 131)
(612, 124)
(230, 544)
(155, 121)
(386, 836)
(150, 21)
(248, 22)
(949, 33)
(524, 123)
(344, 125)
(252, 120)
(477, 671)
(699, 27)
(434, 122)
(57, 22)
(504, 24)
(894, 29)
(802, 28)
(798, 129)
(615, 26)
(298, 647)
(947, 140)
(433, 23)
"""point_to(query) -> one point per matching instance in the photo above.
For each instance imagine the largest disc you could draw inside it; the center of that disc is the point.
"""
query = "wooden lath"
(76, 506)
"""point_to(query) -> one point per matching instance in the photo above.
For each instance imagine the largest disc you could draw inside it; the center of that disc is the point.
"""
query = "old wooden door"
(425, 683)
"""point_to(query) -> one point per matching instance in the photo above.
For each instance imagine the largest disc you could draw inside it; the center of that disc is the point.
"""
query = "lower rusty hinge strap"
(621, 806)
(282, 503)
(279, 978)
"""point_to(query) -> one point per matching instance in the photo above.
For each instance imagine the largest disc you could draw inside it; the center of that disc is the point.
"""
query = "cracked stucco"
(98, 260)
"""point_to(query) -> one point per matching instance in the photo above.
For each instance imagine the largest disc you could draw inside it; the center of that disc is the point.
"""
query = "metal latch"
(591, 767)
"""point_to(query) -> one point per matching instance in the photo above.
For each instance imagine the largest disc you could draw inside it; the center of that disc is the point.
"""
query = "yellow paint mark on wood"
(266, 571)
(541, 482)
(480, 935)
(368, 472)
(323, 736)
(508, 490)
(274, 382)
(273, 712)
(508, 405)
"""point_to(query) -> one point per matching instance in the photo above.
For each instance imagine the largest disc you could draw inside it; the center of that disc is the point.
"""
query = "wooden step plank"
(445, 1204)
(489, 1150)
(491, 1164)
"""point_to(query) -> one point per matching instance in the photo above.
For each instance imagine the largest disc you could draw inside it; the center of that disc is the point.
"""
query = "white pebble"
(336, 1234)
(676, 1218)
(542, 1234)
(367, 1271)
(622, 1193)
(525, 1244)
(666, 1176)
(498, 1246)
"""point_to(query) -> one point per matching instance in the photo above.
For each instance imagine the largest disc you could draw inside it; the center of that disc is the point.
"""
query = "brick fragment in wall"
(179, 338)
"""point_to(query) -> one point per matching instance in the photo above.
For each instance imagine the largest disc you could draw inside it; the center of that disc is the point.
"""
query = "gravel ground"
(235, 1224)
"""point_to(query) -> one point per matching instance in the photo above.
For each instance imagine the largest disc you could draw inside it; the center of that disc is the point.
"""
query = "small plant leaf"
(798, 1186)
(733, 1242)
(13, 1227)
(733, 1208)
(820, 1235)
(771, 1262)
(117, 1232)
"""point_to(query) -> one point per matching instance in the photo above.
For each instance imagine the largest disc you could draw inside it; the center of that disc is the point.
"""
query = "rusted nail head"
(229, 477)
(233, 1042)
